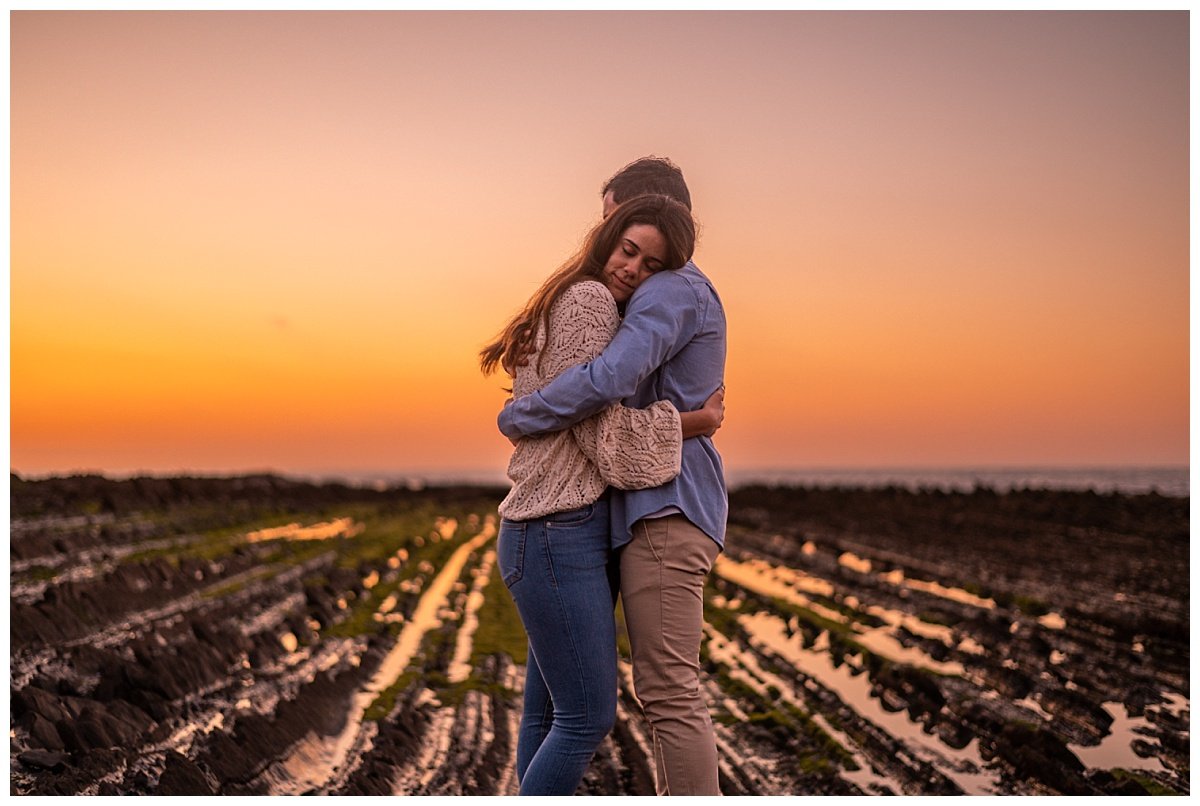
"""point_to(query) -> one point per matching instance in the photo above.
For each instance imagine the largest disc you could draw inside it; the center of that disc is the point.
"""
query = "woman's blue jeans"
(558, 571)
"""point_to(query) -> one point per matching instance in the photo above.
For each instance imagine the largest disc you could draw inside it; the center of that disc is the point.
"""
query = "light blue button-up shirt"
(670, 346)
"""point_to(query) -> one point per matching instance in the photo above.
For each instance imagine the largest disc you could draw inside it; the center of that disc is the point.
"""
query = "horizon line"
(451, 473)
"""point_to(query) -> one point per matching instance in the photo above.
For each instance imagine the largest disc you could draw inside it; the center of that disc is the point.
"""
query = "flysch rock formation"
(259, 635)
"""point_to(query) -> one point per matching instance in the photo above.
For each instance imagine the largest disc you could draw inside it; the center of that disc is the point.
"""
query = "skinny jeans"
(558, 572)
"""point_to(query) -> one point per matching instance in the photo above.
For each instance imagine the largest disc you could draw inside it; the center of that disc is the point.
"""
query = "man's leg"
(662, 584)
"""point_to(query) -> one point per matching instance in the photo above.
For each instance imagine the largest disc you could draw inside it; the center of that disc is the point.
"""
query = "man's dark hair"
(649, 175)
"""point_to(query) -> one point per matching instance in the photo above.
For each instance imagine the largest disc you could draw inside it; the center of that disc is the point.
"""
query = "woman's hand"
(513, 440)
(714, 407)
(705, 421)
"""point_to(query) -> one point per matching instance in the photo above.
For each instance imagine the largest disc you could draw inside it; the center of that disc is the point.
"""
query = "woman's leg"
(563, 596)
(537, 713)
(537, 716)
(662, 587)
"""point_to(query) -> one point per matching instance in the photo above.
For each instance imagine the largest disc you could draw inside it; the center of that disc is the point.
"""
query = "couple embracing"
(618, 365)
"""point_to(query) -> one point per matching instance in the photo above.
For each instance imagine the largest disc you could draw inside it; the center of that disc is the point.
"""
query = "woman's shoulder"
(587, 295)
(582, 321)
(590, 290)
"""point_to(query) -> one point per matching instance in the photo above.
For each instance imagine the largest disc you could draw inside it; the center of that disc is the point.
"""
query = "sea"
(1166, 481)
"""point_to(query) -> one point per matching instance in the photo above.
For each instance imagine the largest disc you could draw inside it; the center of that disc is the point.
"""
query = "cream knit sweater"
(631, 449)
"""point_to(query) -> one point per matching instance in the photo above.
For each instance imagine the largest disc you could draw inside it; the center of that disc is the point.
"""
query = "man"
(670, 346)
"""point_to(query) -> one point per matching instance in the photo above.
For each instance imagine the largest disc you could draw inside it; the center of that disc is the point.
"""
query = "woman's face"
(640, 252)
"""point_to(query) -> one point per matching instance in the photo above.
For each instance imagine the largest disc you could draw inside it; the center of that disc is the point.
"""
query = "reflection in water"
(896, 577)
(460, 667)
(384, 613)
(881, 642)
(342, 527)
(789, 578)
(446, 527)
(745, 668)
(777, 582)
(1053, 621)
(895, 618)
(425, 617)
(854, 562)
(965, 767)
(782, 583)
(1116, 748)
(1176, 704)
(314, 760)
(1036, 707)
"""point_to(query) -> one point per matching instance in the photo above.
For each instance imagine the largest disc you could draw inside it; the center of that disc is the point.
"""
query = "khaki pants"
(662, 587)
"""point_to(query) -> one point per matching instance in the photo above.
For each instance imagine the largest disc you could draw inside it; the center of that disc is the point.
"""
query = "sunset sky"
(277, 240)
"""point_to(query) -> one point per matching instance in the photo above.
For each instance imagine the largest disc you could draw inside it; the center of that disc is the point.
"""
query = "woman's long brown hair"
(518, 339)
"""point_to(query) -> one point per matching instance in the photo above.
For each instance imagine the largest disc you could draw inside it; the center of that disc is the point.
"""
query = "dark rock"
(91, 734)
(1130, 787)
(1138, 697)
(954, 733)
(128, 722)
(42, 733)
(100, 727)
(1037, 753)
(43, 760)
(34, 700)
(1012, 683)
(181, 776)
(66, 729)
(1078, 709)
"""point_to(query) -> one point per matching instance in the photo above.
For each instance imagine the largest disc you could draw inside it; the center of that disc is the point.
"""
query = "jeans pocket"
(571, 517)
(510, 552)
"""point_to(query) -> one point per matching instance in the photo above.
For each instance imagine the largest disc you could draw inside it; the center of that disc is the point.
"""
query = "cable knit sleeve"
(632, 448)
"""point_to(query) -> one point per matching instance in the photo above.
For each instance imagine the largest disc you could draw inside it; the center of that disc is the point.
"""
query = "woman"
(554, 537)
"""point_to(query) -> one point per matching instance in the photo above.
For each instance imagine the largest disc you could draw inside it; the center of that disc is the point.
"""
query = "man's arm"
(663, 315)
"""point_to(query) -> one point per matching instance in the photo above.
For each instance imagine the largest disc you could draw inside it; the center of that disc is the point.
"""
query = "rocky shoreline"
(259, 635)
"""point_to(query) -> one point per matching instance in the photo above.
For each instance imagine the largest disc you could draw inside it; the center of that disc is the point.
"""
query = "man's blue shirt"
(670, 346)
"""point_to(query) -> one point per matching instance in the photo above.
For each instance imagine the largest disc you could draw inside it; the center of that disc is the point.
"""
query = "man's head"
(647, 175)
